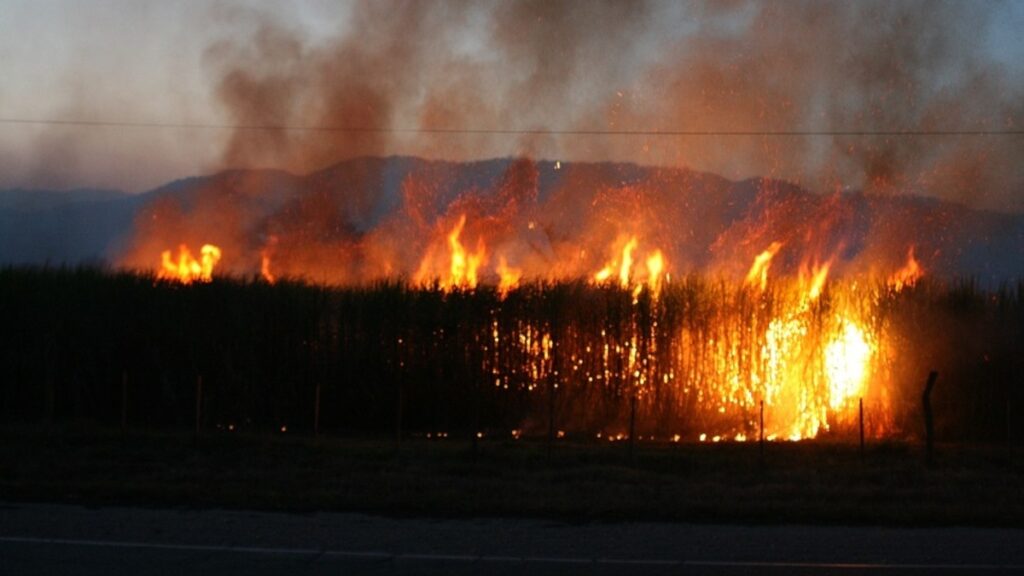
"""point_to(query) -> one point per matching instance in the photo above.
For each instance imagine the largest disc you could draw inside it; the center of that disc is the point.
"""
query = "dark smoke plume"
(497, 73)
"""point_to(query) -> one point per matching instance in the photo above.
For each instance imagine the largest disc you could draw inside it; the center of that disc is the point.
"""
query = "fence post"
(199, 405)
(860, 416)
(761, 433)
(398, 413)
(632, 425)
(929, 424)
(551, 414)
(316, 411)
(124, 401)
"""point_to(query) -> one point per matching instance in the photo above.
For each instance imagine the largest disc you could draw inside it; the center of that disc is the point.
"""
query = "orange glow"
(758, 275)
(846, 363)
(463, 266)
(187, 269)
(508, 277)
(626, 267)
(265, 268)
(655, 268)
(907, 276)
(815, 279)
(649, 274)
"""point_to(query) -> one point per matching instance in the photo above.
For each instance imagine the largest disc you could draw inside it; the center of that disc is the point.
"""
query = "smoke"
(466, 81)
(708, 67)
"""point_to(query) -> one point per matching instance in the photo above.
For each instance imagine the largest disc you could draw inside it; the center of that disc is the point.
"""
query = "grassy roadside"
(809, 482)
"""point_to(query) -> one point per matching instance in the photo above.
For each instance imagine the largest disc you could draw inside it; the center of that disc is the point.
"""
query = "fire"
(655, 267)
(907, 276)
(463, 266)
(846, 364)
(650, 275)
(815, 279)
(265, 268)
(187, 269)
(813, 365)
(508, 278)
(758, 275)
(626, 267)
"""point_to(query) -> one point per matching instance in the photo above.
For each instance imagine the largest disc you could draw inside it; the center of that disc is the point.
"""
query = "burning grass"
(691, 361)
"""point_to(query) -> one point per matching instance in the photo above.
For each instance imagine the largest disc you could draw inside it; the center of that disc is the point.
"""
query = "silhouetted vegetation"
(570, 356)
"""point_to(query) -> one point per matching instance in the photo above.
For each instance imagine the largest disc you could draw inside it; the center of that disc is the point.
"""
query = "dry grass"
(808, 482)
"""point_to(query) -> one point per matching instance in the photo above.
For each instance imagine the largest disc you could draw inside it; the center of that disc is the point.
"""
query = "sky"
(201, 69)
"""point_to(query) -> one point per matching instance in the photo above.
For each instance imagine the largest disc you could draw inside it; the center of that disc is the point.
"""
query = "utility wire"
(505, 132)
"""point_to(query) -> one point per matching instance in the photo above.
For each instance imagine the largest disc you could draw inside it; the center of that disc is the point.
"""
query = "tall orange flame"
(758, 275)
(508, 278)
(814, 279)
(462, 266)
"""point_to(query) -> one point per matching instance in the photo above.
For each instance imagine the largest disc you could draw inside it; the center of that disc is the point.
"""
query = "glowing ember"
(907, 276)
(187, 269)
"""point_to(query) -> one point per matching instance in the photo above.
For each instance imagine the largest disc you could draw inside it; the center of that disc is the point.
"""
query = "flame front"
(632, 276)
(716, 349)
(187, 269)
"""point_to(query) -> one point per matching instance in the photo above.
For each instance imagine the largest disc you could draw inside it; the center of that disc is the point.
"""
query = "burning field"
(612, 272)
(498, 304)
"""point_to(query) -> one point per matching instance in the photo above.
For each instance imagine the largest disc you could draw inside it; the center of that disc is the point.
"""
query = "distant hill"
(371, 217)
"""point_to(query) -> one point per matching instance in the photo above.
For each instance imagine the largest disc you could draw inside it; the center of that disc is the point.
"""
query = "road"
(70, 540)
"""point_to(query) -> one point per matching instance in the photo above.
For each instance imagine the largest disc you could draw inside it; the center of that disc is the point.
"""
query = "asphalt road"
(53, 539)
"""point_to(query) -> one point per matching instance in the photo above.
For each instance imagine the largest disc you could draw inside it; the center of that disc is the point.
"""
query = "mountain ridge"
(704, 221)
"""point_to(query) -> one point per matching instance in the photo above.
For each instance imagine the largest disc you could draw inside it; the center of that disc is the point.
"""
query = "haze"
(200, 68)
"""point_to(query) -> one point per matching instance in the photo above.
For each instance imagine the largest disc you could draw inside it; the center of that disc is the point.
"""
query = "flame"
(758, 275)
(651, 275)
(846, 363)
(508, 277)
(187, 269)
(814, 280)
(626, 267)
(265, 268)
(907, 276)
(462, 267)
(655, 267)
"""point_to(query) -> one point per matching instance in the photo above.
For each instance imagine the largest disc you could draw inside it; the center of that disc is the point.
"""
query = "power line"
(506, 131)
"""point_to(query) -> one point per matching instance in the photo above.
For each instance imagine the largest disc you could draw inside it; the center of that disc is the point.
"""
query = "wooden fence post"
(860, 416)
(316, 411)
(929, 423)
(632, 425)
(398, 413)
(199, 405)
(761, 433)
(124, 401)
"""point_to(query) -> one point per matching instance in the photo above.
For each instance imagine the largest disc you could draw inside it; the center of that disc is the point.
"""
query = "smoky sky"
(585, 65)
(391, 68)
